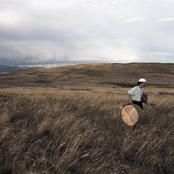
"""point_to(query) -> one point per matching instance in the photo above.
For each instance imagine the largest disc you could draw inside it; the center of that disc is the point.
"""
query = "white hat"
(142, 80)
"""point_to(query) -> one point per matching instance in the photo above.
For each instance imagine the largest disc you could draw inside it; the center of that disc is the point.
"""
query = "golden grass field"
(71, 124)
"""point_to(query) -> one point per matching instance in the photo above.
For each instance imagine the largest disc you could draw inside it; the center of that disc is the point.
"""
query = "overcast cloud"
(36, 32)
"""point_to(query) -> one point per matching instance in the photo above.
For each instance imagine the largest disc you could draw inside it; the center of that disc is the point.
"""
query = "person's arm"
(129, 98)
(152, 104)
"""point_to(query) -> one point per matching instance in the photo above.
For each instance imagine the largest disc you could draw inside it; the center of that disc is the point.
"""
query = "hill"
(124, 75)
(4, 69)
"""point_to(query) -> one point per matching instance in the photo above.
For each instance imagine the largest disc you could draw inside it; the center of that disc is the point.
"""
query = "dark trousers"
(138, 103)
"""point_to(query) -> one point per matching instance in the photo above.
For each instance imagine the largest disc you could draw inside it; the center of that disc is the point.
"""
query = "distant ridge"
(4, 68)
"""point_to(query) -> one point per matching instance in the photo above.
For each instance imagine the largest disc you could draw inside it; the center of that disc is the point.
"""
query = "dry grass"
(63, 131)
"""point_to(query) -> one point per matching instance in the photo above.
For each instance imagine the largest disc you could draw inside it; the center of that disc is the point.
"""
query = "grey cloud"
(87, 33)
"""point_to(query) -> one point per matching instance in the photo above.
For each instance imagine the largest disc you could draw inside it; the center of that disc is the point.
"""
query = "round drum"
(131, 114)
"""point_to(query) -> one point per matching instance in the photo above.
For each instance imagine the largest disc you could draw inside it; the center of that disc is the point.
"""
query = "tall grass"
(65, 132)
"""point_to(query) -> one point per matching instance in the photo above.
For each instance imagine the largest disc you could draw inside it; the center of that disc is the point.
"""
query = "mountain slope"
(157, 74)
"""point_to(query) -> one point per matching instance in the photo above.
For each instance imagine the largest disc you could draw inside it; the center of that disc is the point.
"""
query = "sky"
(52, 33)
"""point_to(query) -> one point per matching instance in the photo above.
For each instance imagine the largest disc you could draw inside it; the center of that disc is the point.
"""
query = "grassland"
(75, 127)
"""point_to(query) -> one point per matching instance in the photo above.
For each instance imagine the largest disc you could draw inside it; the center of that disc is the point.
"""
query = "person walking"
(136, 94)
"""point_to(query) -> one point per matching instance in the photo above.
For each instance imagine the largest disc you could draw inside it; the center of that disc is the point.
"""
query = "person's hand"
(155, 107)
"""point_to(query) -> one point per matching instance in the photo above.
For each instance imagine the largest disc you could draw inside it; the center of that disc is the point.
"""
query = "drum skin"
(131, 114)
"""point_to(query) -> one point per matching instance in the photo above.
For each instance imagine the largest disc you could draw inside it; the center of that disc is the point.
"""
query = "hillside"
(124, 75)
(9, 68)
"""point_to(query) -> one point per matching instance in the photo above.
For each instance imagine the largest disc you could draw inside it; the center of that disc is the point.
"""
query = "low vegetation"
(64, 131)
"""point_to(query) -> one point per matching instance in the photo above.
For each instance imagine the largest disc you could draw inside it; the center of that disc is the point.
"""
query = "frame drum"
(131, 114)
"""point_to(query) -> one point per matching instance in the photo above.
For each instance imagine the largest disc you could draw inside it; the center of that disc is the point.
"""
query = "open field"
(75, 127)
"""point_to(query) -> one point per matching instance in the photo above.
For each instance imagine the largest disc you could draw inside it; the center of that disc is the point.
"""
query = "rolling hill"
(124, 75)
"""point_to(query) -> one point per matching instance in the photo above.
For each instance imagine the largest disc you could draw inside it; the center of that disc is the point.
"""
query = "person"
(136, 94)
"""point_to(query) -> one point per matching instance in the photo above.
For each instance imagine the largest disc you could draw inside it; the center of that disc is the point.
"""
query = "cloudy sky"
(58, 32)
